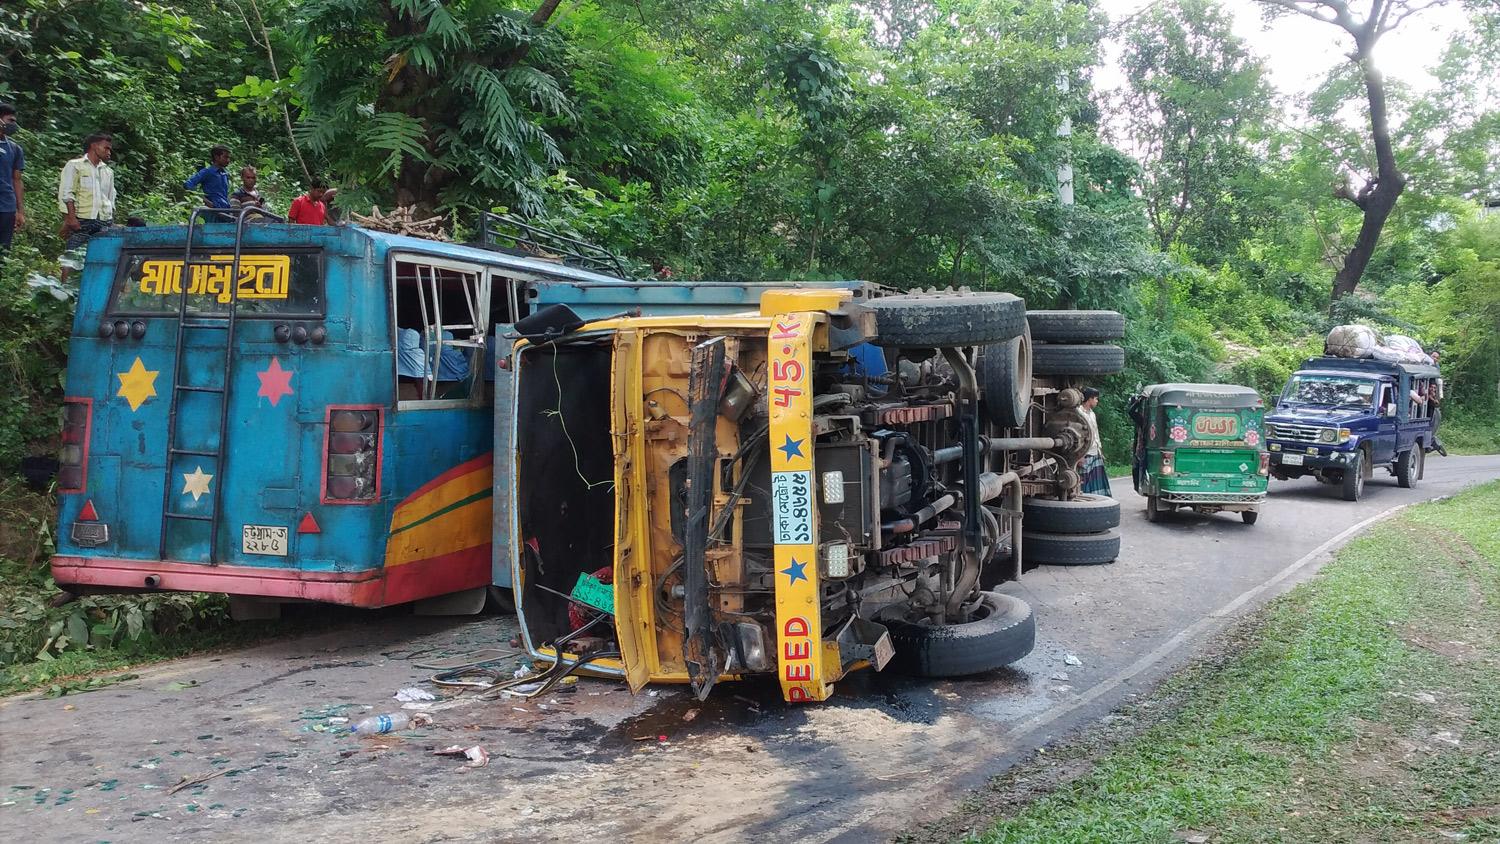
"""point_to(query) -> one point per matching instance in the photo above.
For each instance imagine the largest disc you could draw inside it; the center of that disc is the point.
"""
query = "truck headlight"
(833, 487)
(1328, 435)
(1270, 431)
(836, 559)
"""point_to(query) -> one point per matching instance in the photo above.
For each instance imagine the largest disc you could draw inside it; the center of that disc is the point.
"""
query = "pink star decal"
(275, 382)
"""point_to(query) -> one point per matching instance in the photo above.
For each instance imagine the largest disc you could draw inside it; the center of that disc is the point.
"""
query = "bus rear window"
(279, 283)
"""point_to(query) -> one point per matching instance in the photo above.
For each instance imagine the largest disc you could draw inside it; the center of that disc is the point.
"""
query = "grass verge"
(1362, 706)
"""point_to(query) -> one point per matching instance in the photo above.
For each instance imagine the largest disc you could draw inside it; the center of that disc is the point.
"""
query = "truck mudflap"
(806, 664)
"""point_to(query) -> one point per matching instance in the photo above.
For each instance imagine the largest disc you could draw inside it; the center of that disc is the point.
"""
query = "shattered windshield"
(1329, 391)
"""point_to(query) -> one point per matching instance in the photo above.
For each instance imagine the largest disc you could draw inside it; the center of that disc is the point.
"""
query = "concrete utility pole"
(1064, 130)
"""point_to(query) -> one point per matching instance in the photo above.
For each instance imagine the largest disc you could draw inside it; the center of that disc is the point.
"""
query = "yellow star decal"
(196, 483)
(137, 384)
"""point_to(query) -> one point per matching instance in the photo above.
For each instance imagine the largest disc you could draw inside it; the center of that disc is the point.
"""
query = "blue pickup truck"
(1340, 418)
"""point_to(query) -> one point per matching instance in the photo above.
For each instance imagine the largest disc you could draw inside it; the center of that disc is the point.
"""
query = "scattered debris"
(1446, 737)
(473, 659)
(198, 780)
(1424, 697)
(1192, 836)
(391, 722)
(413, 694)
(89, 684)
(690, 715)
(1060, 675)
(1070, 659)
(478, 757)
(180, 685)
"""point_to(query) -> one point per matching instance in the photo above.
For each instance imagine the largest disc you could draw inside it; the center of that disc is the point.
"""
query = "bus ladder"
(226, 324)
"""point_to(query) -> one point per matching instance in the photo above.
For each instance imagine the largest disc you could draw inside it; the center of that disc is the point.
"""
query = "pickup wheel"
(1001, 631)
(1407, 470)
(1353, 482)
(1088, 513)
(1076, 326)
(1070, 549)
(1066, 359)
(948, 318)
(1004, 371)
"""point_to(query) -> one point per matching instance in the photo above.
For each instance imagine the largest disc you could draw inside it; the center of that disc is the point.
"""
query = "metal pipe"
(915, 520)
(996, 444)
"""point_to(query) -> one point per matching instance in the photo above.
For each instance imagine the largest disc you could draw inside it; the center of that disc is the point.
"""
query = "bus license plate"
(267, 540)
(1291, 459)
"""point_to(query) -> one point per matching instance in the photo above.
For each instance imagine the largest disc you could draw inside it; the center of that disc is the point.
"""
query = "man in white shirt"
(86, 192)
(1095, 476)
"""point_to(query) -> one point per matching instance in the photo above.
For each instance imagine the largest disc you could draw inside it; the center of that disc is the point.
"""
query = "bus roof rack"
(506, 233)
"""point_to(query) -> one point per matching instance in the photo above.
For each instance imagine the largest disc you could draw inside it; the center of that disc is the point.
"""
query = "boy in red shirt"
(310, 208)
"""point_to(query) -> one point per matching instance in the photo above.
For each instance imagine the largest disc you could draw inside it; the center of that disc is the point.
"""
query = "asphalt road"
(598, 763)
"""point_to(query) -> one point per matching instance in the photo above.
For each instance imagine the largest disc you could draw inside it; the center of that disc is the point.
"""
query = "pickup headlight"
(1328, 435)
(1270, 431)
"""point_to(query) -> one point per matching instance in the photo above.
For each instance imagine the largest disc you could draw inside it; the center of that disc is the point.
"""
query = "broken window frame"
(477, 285)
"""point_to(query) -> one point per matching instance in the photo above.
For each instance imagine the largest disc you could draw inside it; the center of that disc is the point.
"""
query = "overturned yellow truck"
(833, 482)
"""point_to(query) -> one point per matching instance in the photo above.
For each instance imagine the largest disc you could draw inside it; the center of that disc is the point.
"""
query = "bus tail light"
(1265, 463)
(351, 472)
(1167, 460)
(73, 457)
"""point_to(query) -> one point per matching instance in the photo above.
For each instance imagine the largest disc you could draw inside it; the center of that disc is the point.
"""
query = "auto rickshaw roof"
(1203, 395)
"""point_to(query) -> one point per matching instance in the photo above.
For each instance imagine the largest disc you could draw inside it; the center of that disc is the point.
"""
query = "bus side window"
(442, 311)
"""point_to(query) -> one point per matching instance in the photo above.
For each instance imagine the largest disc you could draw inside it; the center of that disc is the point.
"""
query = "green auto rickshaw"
(1200, 446)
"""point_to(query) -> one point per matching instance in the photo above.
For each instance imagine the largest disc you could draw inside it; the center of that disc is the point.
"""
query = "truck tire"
(1353, 483)
(1067, 359)
(1070, 549)
(1088, 513)
(1076, 326)
(947, 318)
(1004, 371)
(1002, 634)
(1407, 471)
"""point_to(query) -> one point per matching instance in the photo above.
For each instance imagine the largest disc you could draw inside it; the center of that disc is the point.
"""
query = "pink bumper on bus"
(359, 589)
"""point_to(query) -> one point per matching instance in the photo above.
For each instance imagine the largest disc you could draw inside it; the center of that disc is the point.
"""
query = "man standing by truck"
(1095, 476)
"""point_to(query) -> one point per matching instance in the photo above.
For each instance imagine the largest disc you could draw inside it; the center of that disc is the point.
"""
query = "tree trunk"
(1378, 198)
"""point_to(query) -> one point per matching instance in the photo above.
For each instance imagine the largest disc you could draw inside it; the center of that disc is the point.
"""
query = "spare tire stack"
(1076, 342)
(1081, 532)
(1077, 346)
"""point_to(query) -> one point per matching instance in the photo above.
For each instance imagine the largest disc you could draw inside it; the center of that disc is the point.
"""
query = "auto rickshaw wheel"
(1153, 510)
(1000, 631)
(1249, 516)
(947, 318)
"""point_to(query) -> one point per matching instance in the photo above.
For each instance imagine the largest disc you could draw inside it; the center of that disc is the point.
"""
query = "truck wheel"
(1071, 549)
(1004, 371)
(1249, 516)
(1076, 326)
(1002, 631)
(1353, 482)
(1406, 467)
(1064, 359)
(1088, 513)
(948, 318)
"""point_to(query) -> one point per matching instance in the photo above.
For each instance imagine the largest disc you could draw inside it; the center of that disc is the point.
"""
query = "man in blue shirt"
(213, 179)
(12, 192)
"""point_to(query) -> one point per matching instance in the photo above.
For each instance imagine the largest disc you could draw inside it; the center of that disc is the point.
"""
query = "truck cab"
(1338, 419)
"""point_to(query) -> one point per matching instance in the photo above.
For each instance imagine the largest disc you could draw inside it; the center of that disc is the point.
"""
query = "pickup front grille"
(1296, 433)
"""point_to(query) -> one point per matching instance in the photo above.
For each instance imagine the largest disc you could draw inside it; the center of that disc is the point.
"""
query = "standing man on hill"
(12, 192)
(213, 179)
(86, 192)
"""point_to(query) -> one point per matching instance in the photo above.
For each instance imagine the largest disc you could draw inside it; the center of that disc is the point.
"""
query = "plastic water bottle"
(390, 722)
